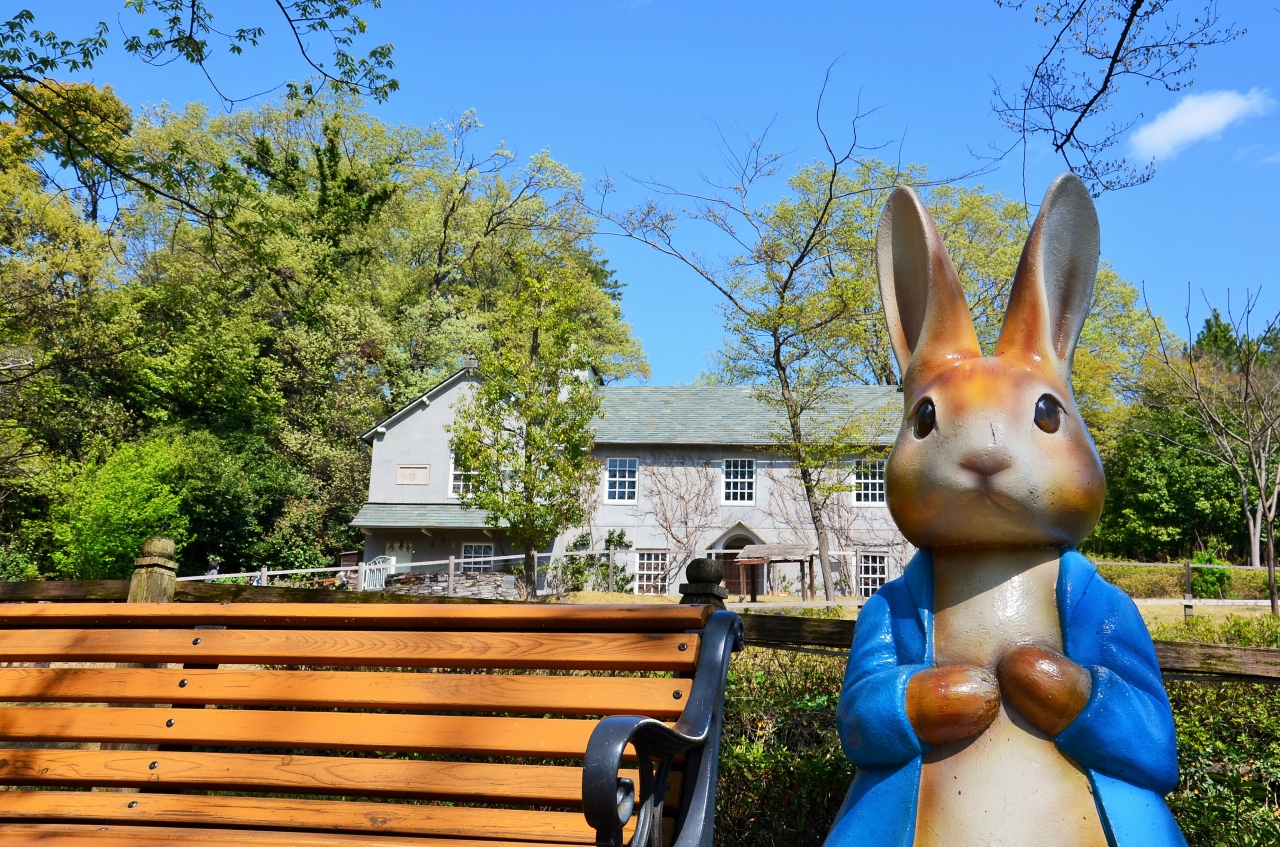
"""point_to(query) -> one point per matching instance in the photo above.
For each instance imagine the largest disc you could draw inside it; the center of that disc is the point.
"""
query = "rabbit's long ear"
(1054, 285)
(923, 302)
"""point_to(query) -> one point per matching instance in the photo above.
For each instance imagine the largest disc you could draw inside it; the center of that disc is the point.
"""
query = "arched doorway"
(734, 581)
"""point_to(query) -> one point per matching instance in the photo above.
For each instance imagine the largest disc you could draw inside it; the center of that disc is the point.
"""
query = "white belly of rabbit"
(1010, 785)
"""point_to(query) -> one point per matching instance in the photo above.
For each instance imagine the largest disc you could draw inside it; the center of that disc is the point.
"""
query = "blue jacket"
(1123, 738)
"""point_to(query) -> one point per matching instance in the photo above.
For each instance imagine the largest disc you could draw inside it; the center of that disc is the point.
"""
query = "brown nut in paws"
(1044, 685)
(952, 702)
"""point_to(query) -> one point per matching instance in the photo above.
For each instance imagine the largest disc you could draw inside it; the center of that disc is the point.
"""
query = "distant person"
(212, 575)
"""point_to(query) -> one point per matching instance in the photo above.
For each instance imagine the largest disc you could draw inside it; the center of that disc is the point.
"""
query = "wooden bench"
(208, 724)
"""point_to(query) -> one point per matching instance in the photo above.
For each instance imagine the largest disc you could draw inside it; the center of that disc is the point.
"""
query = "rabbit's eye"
(926, 417)
(1048, 414)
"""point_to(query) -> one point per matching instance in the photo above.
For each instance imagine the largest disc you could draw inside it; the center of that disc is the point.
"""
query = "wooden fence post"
(448, 589)
(155, 573)
(1188, 607)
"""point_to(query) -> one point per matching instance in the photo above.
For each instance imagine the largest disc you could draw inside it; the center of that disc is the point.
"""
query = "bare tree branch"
(1070, 89)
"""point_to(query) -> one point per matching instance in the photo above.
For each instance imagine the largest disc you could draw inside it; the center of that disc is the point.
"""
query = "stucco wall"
(417, 437)
(666, 474)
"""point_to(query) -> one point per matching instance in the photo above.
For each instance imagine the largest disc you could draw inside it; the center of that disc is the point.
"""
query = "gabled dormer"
(412, 462)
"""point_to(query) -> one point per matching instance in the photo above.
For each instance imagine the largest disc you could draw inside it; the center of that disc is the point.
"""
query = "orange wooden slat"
(297, 815)
(461, 692)
(477, 782)
(556, 738)
(520, 617)
(74, 835)
(558, 650)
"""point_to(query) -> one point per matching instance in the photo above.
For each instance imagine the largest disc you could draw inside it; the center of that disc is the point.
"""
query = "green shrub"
(783, 774)
(1210, 583)
(107, 510)
(1138, 581)
(1170, 581)
(1228, 743)
(17, 565)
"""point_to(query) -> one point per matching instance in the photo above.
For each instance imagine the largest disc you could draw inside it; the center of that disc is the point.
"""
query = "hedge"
(783, 774)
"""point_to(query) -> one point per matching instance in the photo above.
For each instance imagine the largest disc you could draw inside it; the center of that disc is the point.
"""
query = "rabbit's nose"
(987, 463)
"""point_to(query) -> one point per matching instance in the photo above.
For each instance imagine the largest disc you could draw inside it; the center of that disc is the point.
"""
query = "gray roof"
(419, 515)
(730, 414)
(778, 552)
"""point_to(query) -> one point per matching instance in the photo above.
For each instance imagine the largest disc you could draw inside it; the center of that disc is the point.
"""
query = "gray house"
(685, 471)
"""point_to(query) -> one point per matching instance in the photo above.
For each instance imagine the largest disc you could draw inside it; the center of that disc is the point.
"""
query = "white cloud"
(1197, 117)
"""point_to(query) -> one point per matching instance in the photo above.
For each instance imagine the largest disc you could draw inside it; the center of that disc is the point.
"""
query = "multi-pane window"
(459, 481)
(873, 572)
(622, 479)
(868, 481)
(477, 558)
(651, 573)
(739, 480)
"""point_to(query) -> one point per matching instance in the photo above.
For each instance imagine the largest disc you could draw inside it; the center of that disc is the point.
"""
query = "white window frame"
(454, 473)
(610, 479)
(478, 564)
(653, 579)
(873, 494)
(748, 483)
(872, 574)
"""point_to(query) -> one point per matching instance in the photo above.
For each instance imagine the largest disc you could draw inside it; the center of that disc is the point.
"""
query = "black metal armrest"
(609, 800)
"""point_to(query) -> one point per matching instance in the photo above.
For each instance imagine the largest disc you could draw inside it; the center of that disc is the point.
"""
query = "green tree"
(525, 431)
(109, 509)
(1164, 502)
(87, 132)
(355, 264)
(1226, 384)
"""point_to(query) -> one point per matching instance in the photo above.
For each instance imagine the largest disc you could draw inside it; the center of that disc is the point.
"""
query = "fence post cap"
(704, 587)
(159, 546)
(704, 570)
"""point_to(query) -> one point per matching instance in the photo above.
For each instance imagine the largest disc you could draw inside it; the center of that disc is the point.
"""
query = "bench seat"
(63, 835)
(344, 725)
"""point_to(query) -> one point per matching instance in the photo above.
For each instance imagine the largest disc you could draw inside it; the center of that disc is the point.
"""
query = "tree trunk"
(530, 577)
(1271, 567)
(1255, 537)
(820, 527)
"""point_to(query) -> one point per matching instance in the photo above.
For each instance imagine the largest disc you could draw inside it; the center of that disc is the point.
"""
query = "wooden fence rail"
(1178, 659)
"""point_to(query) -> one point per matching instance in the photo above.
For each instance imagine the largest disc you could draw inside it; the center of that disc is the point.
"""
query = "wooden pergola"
(767, 554)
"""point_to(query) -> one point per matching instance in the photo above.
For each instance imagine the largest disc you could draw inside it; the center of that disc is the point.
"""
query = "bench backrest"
(346, 711)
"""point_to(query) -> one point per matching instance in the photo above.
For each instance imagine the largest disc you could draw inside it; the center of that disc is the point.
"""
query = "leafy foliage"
(782, 772)
(357, 264)
(85, 130)
(525, 431)
(1228, 744)
(108, 510)
(1164, 502)
(783, 775)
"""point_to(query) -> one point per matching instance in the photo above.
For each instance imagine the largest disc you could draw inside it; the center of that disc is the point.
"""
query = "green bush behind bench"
(783, 775)
(1209, 583)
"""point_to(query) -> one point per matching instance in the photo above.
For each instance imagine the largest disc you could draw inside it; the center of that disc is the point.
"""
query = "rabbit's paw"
(1044, 685)
(952, 702)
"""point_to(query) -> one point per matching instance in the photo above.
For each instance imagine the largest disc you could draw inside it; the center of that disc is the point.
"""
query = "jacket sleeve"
(872, 713)
(1126, 729)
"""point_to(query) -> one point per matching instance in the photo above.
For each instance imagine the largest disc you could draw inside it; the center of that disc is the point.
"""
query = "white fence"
(651, 571)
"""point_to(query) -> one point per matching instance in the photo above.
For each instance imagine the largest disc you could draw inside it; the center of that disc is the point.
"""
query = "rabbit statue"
(999, 693)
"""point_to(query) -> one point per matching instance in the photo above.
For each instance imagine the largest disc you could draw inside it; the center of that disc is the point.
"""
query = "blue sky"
(638, 87)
